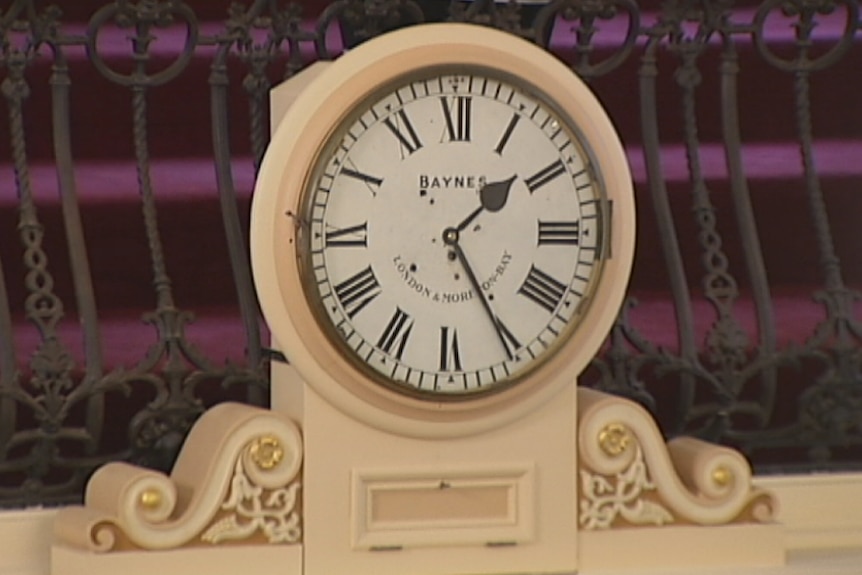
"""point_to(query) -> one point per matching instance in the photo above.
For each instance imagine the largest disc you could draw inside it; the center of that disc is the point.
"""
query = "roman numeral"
(357, 291)
(409, 141)
(450, 354)
(509, 341)
(559, 233)
(396, 333)
(458, 117)
(357, 175)
(507, 134)
(349, 237)
(545, 175)
(542, 289)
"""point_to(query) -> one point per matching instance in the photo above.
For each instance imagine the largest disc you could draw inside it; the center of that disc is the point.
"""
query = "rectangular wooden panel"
(470, 506)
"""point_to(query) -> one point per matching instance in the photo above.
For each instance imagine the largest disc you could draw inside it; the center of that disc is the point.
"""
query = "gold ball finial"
(722, 476)
(150, 499)
(266, 452)
(614, 439)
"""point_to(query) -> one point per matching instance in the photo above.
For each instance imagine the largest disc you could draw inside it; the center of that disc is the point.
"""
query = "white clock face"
(455, 233)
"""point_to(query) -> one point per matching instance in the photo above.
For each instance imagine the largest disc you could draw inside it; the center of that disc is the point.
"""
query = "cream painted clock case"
(442, 233)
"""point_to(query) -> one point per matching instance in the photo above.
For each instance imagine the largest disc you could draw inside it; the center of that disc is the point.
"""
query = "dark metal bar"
(747, 228)
(669, 241)
(82, 277)
(235, 238)
(8, 370)
(51, 364)
(726, 341)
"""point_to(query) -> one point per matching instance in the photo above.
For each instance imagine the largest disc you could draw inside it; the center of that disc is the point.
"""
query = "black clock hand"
(493, 196)
(450, 238)
(460, 227)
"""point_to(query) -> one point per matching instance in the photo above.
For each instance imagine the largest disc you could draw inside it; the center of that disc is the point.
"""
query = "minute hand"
(475, 283)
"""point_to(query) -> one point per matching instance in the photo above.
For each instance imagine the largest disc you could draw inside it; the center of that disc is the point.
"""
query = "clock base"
(375, 503)
(686, 548)
(518, 500)
(267, 560)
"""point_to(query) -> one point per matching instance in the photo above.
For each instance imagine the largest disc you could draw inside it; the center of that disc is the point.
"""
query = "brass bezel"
(333, 141)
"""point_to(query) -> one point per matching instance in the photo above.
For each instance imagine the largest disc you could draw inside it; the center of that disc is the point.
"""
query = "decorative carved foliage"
(250, 510)
(625, 496)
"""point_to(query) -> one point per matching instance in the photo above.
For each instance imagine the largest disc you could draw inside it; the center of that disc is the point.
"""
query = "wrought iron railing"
(709, 96)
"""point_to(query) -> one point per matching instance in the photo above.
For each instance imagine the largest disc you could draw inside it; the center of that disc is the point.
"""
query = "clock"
(442, 230)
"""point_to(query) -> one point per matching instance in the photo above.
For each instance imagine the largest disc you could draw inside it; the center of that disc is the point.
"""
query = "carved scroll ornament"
(629, 476)
(235, 480)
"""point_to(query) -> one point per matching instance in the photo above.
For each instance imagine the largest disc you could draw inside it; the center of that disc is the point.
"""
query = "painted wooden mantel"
(822, 515)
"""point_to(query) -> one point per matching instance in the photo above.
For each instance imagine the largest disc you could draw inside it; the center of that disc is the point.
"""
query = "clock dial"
(454, 233)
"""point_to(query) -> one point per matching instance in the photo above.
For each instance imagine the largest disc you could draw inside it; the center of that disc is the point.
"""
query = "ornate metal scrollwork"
(585, 21)
(67, 401)
(723, 380)
(359, 20)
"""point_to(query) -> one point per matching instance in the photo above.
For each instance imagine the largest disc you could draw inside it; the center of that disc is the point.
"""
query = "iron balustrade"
(675, 79)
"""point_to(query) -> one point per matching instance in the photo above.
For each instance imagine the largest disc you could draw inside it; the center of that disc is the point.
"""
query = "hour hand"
(494, 195)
